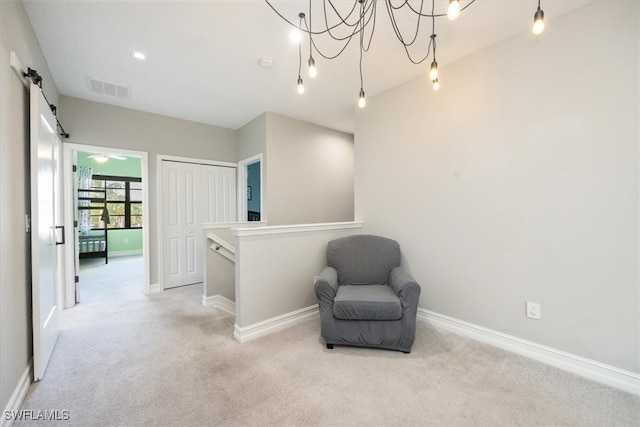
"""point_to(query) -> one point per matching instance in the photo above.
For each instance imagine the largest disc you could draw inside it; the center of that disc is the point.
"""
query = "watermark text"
(37, 415)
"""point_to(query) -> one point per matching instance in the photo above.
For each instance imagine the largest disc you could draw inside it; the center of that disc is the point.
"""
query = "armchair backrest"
(363, 259)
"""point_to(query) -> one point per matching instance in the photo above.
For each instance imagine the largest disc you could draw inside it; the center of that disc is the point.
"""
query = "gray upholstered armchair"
(365, 298)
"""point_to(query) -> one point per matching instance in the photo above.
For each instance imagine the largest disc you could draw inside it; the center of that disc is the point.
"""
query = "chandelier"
(358, 22)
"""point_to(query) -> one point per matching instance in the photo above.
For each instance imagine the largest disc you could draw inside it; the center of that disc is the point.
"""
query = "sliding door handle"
(60, 227)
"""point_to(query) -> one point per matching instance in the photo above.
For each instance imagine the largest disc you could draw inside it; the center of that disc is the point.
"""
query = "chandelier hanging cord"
(433, 17)
(308, 29)
(301, 15)
(357, 30)
(396, 28)
(419, 13)
(343, 21)
(362, 44)
(310, 38)
(366, 18)
(362, 101)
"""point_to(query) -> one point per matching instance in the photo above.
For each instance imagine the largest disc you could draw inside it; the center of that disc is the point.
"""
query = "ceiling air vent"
(106, 88)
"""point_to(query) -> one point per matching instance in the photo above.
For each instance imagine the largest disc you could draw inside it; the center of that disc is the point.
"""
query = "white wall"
(519, 181)
(98, 124)
(16, 35)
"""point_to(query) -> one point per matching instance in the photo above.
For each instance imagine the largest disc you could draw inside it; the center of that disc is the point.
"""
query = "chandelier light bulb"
(538, 22)
(454, 9)
(361, 99)
(300, 86)
(312, 68)
(433, 72)
(436, 84)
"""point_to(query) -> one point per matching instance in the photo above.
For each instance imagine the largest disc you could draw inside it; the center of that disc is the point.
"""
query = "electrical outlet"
(533, 310)
(126, 241)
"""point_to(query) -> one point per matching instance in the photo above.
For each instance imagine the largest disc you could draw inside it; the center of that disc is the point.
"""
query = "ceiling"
(202, 57)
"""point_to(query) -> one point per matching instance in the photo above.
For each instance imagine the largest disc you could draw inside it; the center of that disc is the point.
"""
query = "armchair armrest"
(405, 286)
(326, 285)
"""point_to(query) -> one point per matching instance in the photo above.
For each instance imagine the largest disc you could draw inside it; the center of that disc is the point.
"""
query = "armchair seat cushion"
(366, 302)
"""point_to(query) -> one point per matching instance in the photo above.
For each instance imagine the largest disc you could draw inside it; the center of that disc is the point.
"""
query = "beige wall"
(519, 181)
(15, 269)
(97, 124)
(309, 173)
(264, 289)
(252, 138)
(307, 170)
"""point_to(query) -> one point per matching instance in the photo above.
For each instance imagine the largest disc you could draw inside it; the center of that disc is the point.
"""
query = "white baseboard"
(220, 302)
(155, 288)
(18, 395)
(125, 253)
(605, 374)
(275, 324)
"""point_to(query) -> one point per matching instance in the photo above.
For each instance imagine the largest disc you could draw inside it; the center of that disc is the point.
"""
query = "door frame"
(242, 187)
(69, 148)
(159, 159)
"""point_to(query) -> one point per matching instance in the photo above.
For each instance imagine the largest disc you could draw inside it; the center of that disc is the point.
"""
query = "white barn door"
(192, 194)
(44, 268)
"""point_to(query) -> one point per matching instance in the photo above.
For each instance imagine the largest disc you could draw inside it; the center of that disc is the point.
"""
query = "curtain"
(84, 183)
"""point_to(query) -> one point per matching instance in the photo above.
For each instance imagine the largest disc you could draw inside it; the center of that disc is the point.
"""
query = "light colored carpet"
(128, 359)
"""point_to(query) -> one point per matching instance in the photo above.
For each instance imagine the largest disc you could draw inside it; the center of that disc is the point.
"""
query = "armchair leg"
(329, 346)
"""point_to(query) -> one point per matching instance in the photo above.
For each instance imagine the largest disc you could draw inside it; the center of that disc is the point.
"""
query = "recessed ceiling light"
(139, 55)
(266, 62)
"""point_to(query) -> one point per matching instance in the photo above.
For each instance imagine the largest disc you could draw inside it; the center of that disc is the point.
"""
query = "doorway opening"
(250, 194)
(105, 204)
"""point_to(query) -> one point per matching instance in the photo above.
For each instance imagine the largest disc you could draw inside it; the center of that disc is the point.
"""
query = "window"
(123, 199)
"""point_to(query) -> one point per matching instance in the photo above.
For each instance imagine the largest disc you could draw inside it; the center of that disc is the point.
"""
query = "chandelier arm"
(432, 15)
(355, 26)
(332, 56)
(420, 61)
(348, 38)
(431, 41)
(373, 28)
(396, 28)
(406, 2)
(342, 20)
(419, 13)
(308, 30)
